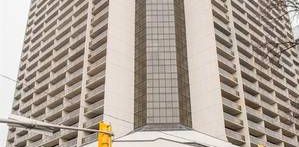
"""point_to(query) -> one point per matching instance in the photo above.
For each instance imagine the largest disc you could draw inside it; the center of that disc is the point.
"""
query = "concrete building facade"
(152, 65)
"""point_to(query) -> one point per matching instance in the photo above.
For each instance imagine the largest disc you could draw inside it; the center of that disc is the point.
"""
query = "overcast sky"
(13, 18)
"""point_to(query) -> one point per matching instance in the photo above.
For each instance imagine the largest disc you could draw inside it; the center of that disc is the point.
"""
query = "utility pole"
(104, 133)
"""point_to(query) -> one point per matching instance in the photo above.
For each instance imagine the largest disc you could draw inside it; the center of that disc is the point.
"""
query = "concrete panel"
(205, 92)
(119, 87)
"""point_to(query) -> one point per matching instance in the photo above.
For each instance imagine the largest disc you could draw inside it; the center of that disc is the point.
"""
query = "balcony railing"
(96, 77)
(75, 74)
(235, 135)
(89, 138)
(70, 143)
(95, 92)
(229, 89)
(273, 133)
(233, 119)
(254, 112)
(37, 143)
(290, 140)
(256, 126)
(73, 100)
(256, 140)
(72, 114)
(93, 121)
(55, 110)
(95, 105)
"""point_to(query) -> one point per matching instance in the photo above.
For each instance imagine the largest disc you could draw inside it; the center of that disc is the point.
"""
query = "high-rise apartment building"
(152, 65)
(296, 32)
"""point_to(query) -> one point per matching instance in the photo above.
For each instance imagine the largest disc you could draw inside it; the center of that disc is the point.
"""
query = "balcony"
(254, 99)
(77, 63)
(89, 138)
(288, 128)
(99, 28)
(95, 108)
(71, 117)
(97, 53)
(226, 64)
(80, 17)
(286, 115)
(98, 41)
(21, 139)
(73, 102)
(266, 93)
(232, 121)
(235, 137)
(282, 92)
(26, 105)
(40, 117)
(99, 91)
(39, 109)
(263, 69)
(10, 135)
(48, 139)
(227, 77)
(69, 133)
(273, 134)
(75, 88)
(97, 66)
(78, 39)
(100, 16)
(57, 121)
(252, 85)
(27, 113)
(36, 143)
(256, 127)
(255, 114)
(220, 14)
(70, 143)
(248, 73)
(57, 87)
(231, 106)
(80, 27)
(223, 38)
(270, 107)
(257, 141)
(283, 103)
(55, 110)
(93, 122)
(271, 120)
(61, 70)
(100, 5)
(292, 141)
(75, 74)
(96, 79)
(77, 48)
(229, 91)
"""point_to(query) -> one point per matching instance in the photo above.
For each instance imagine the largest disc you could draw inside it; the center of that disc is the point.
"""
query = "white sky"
(13, 18)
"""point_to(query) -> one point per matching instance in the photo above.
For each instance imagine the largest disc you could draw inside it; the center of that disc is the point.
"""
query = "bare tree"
(287, 9)
(286, 6)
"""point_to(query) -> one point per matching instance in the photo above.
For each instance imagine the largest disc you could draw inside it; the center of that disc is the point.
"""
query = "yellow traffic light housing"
(260, 145)
(105, 135)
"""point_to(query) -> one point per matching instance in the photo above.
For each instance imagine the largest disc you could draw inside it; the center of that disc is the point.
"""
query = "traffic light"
(260, 145)
(104, 139)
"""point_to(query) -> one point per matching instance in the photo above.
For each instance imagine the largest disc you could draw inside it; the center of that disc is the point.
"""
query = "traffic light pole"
(48, 126)
(104, 133)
